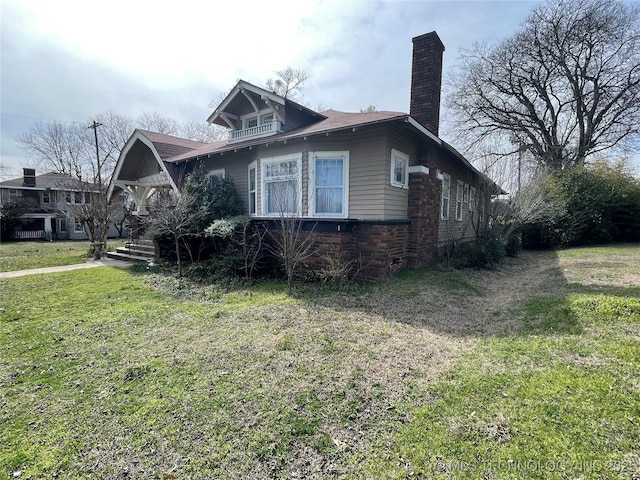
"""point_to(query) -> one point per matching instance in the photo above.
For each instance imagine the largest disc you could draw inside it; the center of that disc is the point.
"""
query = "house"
(381, 187)
(52, 198)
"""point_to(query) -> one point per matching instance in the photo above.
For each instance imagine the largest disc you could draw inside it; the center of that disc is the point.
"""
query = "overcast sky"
(70, 60)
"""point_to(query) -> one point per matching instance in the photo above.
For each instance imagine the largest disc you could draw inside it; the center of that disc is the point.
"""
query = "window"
(67, 196)
(253, 197)
(77, 197)
(268, 118)
(87, 198)
(251, 122)
(77, 226)
(459, 189)
(328, 184)
(465, 195)
(399, 169)
(46, 197)
(216, 176)
(63, 224)
(281, 185)
(446, 193)
(472, 199)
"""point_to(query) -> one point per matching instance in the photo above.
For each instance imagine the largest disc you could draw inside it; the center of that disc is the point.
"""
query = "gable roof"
(169, 146)
(332, 121)
(49, 180)
(248, 91)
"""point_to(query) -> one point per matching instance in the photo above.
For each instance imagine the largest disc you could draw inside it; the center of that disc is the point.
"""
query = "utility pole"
(102, 197)
(95, 126)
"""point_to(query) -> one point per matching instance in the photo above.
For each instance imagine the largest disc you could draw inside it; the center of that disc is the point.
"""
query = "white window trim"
(258, 116)
(75, 225)
(445, 177)
(312, 183)
(459, 194)
(264, 163)
(472, 199)
(392, 176)
(252, 166)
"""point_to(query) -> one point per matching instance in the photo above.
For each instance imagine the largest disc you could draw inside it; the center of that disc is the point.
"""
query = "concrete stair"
(141, 251)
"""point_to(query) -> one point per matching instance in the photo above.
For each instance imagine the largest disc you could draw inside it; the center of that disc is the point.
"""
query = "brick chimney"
(426, 80)
(29, 177)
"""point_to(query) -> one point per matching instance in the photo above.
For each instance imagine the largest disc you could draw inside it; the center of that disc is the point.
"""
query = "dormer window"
(256, 124)
(250, 112)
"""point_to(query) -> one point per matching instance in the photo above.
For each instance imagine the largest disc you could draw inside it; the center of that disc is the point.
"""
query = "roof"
(169, 146)
(333, 121)
(52, 180)
(270, 98)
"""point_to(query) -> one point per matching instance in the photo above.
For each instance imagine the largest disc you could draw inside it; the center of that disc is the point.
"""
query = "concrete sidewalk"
(103, 262)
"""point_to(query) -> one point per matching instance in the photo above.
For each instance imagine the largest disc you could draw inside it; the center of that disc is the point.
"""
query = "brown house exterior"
(377, 187)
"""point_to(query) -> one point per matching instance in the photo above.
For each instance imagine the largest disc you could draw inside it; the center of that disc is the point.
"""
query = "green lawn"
(527, 371)
(25, 255)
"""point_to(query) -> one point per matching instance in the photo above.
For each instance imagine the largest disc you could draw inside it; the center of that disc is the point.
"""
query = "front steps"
(142, 251)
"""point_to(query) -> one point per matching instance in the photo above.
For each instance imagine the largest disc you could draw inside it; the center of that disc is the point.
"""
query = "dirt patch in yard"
(472, 311)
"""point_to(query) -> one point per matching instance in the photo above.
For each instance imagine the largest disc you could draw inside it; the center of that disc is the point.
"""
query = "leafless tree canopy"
(565, 87)
(69, 147)
(289, 82)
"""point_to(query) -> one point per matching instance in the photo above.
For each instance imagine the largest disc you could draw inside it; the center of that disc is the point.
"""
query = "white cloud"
(69, 60)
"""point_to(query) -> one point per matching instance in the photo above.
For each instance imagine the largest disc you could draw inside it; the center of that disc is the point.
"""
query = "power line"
(40, 119)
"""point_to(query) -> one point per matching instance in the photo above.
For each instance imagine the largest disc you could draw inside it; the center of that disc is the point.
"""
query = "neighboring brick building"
(380, 187)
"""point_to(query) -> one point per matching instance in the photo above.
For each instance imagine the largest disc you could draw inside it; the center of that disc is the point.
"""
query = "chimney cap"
(431, 37)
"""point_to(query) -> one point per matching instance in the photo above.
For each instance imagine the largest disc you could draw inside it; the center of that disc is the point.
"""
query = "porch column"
(47, 228)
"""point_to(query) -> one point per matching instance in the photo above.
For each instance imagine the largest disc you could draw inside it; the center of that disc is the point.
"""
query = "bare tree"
(288, 83)
(202, 132)
(370, 109)
(565, 87)
(156, 122)
(290, 242)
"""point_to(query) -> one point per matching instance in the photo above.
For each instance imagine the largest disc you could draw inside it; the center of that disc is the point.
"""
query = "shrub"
(483, 253)
(601, 205)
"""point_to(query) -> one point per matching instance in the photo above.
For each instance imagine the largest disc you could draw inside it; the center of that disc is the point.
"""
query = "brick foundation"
(377, 249)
